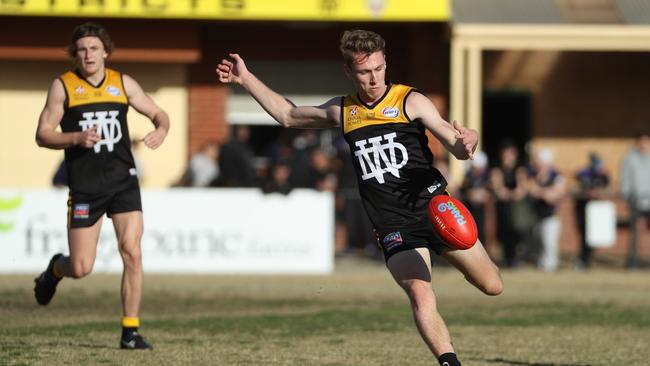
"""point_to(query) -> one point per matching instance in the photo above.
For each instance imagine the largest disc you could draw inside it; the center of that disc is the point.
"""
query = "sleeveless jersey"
(109, 165)
(392, 159)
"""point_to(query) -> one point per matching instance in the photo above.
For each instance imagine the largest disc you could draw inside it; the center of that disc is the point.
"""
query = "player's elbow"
(39, 140)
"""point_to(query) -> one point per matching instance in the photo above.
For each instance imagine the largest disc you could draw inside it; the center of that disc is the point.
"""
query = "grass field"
(356, 317)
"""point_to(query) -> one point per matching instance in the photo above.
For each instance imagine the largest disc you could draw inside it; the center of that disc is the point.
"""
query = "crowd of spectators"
(524, 194)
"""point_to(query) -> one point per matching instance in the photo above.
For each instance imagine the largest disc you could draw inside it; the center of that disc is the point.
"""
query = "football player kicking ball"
(384, 124)
(90, 105)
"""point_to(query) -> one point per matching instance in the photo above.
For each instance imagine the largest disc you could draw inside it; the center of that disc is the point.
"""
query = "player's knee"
(493, 287)
(131, 254)
(80, 269)
(419, 292)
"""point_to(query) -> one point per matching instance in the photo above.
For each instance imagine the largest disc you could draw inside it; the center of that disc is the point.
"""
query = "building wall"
(582, 102)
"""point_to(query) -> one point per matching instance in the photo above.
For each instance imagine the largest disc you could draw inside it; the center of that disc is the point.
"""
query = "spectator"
(475, 190)
(278, 180)
(546, 187)
(321, 174)
(514, 214)
(236, 160)
(635, 187)
(593, 182)
(203, 168)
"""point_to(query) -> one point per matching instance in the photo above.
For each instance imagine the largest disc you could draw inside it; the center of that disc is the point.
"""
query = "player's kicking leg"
(477, 267)
(129, 229)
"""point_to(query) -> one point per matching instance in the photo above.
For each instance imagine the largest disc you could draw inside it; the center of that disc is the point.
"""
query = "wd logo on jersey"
(109, 129)
(392, 240)
(79, 90)
(390, 112)
(380, 157)
(81, 211)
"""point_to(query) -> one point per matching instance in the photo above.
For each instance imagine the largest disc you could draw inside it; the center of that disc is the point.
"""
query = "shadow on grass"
(512, 362)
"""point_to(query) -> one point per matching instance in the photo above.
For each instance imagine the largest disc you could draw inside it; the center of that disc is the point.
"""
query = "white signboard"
(601, 224)
(186, 231)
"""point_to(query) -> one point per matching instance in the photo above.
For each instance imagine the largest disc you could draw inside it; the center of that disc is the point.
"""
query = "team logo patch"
(81, 211)
(80, 90)
(114, 91)
(392, 240)
(380, 155)
(390, 112)
(108, 128)
(353, 116)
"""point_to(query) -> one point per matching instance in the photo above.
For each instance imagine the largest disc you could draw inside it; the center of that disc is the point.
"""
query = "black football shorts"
(392, 241)
(84, 209)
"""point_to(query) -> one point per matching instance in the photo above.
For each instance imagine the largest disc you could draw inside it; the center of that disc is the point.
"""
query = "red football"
(453, 222)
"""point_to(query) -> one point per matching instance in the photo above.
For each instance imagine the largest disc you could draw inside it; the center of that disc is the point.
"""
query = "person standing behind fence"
(635, 187)
(475, 190)
(593, 182)
(514, 213)
(546, 187)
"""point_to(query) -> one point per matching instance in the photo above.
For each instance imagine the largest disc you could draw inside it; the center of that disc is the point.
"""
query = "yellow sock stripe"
(130, 322)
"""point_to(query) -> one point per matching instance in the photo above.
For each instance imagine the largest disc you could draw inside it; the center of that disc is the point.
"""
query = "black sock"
(448, 359)
(128, 331)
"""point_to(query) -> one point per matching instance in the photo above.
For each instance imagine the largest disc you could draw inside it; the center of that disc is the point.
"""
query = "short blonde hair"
(361, 41)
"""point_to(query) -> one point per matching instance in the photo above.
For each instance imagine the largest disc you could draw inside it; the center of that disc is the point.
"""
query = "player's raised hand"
(231, 71)
(467, 137)
(89, 137)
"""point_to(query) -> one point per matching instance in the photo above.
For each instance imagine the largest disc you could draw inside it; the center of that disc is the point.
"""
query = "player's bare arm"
(50, 118)
(142, 103)
(281, 109)
(460, 141)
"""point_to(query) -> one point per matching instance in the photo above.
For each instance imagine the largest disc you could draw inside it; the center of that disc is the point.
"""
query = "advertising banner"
(301, 10)
(185, 231)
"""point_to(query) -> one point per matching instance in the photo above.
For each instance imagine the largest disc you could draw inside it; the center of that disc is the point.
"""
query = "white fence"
(186, 231)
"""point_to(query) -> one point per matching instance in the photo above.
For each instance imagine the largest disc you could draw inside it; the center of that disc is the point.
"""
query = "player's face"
(368, 73)
(90, 55)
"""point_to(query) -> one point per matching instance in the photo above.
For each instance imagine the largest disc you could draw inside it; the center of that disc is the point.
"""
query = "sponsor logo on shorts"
(114, 91)
(390, 112)
(392, 240)
(81, 211)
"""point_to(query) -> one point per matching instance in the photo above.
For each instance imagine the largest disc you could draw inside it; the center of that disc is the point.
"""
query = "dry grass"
(355, 317)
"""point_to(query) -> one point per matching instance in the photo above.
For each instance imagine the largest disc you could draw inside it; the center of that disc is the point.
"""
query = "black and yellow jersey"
(392, 159)
(109, 165)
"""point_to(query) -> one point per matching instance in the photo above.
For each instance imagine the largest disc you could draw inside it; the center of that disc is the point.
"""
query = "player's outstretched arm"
(460, 141)
(50, 118)
(234, 71)
(143, 103)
